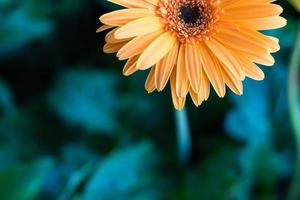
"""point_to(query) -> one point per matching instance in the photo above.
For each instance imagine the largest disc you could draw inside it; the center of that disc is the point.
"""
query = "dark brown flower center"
(189, 19)
(189, 14)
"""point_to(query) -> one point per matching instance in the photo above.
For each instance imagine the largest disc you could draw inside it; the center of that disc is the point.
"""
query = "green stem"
(294, 190)
(183, 136)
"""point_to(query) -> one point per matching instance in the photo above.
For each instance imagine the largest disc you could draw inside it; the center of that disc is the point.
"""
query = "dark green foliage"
(72, 127)
(23, 181)
(129, 166)
(86, 98)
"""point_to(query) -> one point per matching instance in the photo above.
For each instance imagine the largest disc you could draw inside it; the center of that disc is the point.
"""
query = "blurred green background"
(72, 127)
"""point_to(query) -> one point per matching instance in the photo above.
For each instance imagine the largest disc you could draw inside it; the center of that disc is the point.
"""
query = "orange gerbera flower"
(194, 43)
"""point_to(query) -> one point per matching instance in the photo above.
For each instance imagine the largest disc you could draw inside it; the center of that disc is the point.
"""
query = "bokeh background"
(72, 127)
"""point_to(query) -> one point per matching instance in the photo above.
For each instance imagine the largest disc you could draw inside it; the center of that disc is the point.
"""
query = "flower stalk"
(183, 136)
(293, 90)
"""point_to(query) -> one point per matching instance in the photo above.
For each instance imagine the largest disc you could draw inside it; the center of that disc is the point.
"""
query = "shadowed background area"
(73, 127)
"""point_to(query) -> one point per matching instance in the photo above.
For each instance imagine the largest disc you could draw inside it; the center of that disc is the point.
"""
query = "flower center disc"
(189, 14)
(189, 19)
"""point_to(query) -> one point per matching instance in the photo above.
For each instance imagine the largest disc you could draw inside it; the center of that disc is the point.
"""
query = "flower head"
(193, 43)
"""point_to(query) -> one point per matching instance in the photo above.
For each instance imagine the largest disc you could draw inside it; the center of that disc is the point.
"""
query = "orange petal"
(124, 16)
(205, 86)
(252, 11)
(193, 66)
(137, 45)
(150, 84)
(266, 23)
(232, 81)
(130, 66)
(177, 101)
(252, 70)
(212, 70)
(103, 28)
(156, 51)
(153, 2)
(195, 97)
(110, 37)
(226, 57)
(164, 68)
(132, 29)
(182, 80)
(113, 48)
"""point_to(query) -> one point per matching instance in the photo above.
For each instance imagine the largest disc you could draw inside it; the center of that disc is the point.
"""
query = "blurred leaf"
(245, 123)
(260, 166)
(18, 29)
(78, 154)
(86, 98)
(256, 115)
(296, 4)
(126, 174)
(23, 181)
(6, 98)
(77, 161)
(269, 99)
(75, 180)
(14, 137)
(213, 179)
(267, 165)
(56, 181)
